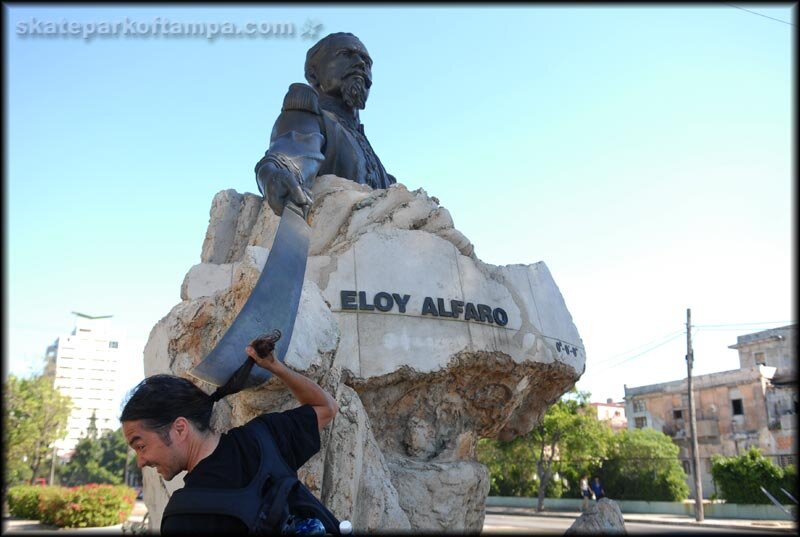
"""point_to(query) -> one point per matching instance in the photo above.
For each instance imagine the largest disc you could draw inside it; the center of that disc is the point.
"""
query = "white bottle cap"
(345, 527)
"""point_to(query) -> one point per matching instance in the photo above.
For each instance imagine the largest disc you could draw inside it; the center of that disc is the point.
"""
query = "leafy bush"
(95, 506)
(23, 501)
(50, 502)
(790, 481)
(76, 507)
(740, 478)
(643, 465)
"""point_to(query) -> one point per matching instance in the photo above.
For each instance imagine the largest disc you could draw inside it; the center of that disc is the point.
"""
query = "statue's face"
(345, 70)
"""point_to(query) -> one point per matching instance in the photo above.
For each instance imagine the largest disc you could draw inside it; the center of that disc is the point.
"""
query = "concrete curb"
(784, 526)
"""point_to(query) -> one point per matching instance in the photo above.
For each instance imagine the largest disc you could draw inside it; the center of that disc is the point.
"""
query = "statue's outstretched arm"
(295, 152)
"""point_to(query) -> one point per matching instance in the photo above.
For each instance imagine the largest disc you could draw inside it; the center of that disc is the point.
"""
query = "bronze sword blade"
(272, 304)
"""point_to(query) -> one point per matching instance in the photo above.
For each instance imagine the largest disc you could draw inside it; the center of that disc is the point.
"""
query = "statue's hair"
(312, 56)
(160, 399)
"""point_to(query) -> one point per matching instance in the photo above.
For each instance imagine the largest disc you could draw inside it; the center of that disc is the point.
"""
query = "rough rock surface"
(416, 391)
(602, 518)
(441, 496)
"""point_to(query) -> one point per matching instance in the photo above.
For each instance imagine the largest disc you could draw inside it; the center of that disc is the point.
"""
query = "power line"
(743, 324)
(670, 337)
(610, 358)
(759, 14)
(679, 334)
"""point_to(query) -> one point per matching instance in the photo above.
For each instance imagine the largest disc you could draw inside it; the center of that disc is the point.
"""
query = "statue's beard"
(355, 92)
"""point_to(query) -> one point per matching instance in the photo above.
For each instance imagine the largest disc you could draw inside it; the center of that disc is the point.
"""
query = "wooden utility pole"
(698, 483)
(53, 467)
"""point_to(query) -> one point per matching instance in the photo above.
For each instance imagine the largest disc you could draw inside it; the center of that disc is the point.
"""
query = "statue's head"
(339, 65)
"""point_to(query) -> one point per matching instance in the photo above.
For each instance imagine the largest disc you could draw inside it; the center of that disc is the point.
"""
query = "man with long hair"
(166, 421)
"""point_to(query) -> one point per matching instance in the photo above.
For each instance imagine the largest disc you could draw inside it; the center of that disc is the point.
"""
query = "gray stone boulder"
(602, 518)
(425, 348)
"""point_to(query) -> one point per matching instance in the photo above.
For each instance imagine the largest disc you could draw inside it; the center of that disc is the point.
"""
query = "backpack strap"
(280, 499)
(292, 491)
(241, 503)
(246, 503)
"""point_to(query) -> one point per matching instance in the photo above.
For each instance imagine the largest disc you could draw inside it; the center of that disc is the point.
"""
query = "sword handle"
(265, 343)
(302, 212)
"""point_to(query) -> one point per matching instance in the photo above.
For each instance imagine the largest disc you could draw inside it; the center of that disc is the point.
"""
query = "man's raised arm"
(305, 390)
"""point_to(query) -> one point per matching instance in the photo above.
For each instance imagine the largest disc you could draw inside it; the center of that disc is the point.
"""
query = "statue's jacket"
(314, 135)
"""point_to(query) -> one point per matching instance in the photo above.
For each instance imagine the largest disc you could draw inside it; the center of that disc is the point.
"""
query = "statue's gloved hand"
(281, 186)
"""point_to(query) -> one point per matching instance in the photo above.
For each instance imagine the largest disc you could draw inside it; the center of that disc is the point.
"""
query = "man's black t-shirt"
(236, 460)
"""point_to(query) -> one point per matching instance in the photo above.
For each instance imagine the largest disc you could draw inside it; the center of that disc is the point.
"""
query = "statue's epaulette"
(301, 97)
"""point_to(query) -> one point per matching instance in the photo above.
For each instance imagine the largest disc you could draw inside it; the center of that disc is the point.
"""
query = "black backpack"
(267, 504)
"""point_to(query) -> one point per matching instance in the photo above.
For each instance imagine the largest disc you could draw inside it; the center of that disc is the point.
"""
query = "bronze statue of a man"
(319, 131)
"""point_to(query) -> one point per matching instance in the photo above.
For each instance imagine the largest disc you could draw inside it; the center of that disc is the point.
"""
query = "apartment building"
(753, 406)
(86, 366)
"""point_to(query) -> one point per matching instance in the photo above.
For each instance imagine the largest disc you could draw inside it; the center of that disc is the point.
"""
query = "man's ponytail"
(263, 345)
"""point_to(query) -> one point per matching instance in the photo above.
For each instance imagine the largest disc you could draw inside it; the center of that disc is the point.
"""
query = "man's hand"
(281, 186)
(260, 350)
(306, 391)
(267, 362)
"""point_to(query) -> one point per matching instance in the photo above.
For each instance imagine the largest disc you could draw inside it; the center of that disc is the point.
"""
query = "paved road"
(495, 523)
(510, 524)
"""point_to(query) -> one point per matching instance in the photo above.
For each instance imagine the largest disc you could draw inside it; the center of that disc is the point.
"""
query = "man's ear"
(181, 427)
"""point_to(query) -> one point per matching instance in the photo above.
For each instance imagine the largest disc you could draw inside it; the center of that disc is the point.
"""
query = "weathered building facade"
(753, 406)
(612, 413)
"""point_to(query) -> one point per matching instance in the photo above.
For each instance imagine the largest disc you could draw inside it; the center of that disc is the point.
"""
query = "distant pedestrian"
(586, 492)
(597, 488)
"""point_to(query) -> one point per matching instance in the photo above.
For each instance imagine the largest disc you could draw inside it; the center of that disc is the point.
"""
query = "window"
(786, 460)
(759, 358)
(641, 422)
(737, 407)
(677, 414)
(687, 468)
(113, 345)
(638, 406)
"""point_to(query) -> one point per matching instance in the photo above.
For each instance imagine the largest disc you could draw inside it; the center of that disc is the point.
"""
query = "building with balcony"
(753, 406)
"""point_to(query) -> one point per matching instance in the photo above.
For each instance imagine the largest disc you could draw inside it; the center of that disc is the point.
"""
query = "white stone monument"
(426, 349)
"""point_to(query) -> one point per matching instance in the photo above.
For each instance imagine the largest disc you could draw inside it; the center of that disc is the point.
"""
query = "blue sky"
(641, 152)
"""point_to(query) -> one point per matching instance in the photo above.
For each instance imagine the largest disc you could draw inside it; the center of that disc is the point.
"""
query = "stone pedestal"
(425, 347)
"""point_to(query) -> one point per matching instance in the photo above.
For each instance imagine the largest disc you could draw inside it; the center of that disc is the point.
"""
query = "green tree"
(99, 460)
(568, 441)
(583, 448)
(35, 415)
(510, 465)
(117, 454)
(740, 478)
(569, 431)
(643, 464)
